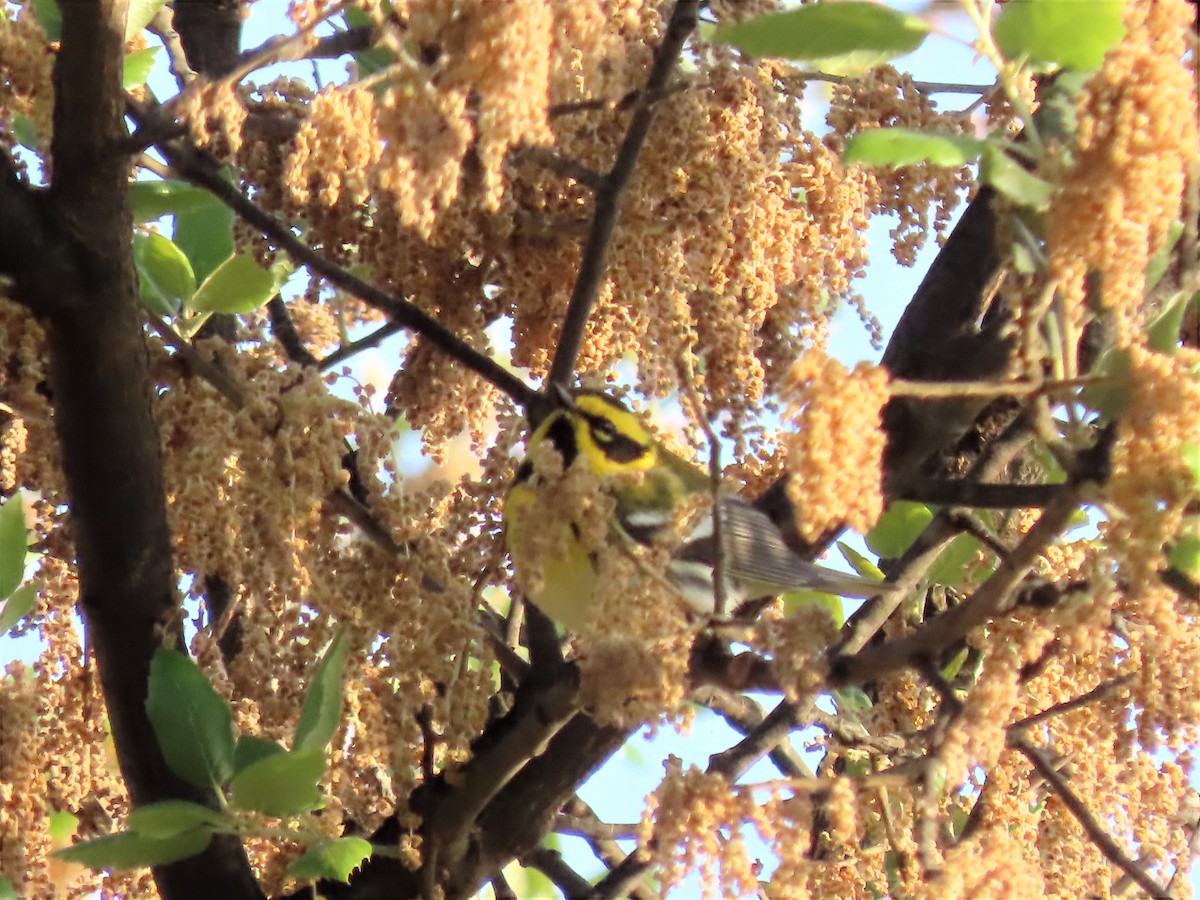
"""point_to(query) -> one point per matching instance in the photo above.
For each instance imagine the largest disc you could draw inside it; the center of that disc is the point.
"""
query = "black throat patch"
(561, 433)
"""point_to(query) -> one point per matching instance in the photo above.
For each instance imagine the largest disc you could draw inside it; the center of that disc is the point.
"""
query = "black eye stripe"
(617, 447)
(602, 429)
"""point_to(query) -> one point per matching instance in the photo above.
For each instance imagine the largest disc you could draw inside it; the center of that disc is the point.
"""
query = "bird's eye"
(603, 430)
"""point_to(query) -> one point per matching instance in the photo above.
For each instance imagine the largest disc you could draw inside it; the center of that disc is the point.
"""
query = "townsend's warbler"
(647, 481)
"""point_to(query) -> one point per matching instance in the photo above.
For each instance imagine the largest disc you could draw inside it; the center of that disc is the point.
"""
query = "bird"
(647, 481)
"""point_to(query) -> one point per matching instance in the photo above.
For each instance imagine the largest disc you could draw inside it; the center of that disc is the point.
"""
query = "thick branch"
(964, 492)
(110, 449)
(210, 31)
(940, 338)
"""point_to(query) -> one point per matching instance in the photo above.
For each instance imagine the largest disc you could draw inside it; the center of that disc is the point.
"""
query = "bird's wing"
(756, 556)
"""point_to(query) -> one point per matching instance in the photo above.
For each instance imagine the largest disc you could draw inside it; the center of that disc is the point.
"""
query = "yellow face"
(610, 437)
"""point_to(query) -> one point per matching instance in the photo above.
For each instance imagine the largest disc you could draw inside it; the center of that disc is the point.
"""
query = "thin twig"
(280, 49)
(501, 888)
(990, 599)
(1184, 866)
(1104, 842)
(602, 839)
(621, 881)
(1099, 692)
(951, 711)
(920, 557)
(980, 495)
(199, 170)
(965, 522)
(733, 762)
(163, 25)
(216, 377)
(562, 165)
(950, 87)
(590, 827)
(595, 251)
(936, 390)
(292, 48)
(687, 381)
(374, 339)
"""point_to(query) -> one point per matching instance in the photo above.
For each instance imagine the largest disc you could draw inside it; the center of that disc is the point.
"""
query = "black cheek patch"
(625, 450)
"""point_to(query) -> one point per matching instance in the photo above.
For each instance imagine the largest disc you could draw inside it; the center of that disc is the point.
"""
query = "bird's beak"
(555, 396)
(564, 395)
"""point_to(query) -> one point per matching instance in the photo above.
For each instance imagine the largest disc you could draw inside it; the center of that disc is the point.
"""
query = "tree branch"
(992, 598)
(608, 197)
(102, 397)
(550, 863)
(199, 170)
(374, 339)
(285, 332)
(1104, 842)
(980, 495)
(492, 767)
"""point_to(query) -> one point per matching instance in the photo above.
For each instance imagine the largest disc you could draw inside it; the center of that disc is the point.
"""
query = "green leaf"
(166, 197)
(61, 825)
(50, 17)
(527, 881)
(250, 749)
(1163, 333)
(20, 603)
(281, 785)
(137, 67)
(1112, 397)
(951, 669)
(1190, 454)
(7, 891)
(172, 817)
(140, 14)
(845, 36)
(206, 236)
(128, 850)
(1185, 555)
(793, 600)
(355, 17)
(851, 700)
(193, 724)
(952, 562)
(322, 709)
(1157, 266)
(1058, 104)
(1011, 179)
(860, 563)
(14, 544)
(959, 818)
(25, 133)
(1069, 33)
(238, 285)
(164, 273)
(335, 860)
(897, 528)
(910, 146)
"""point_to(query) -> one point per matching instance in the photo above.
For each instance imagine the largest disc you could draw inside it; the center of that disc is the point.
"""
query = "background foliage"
(306, 668)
